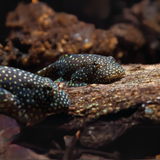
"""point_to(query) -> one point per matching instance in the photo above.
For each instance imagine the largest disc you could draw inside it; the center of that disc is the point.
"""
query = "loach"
(28, 97)
(84, 69)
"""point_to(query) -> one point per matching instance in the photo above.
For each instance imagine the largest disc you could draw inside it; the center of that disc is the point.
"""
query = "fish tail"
(50, 71)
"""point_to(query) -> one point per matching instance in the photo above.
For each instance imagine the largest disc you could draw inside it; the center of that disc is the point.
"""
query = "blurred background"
(102, 13)
(42, 32)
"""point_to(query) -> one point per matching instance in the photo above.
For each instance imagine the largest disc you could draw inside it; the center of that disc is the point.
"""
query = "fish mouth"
(119, 74)
(60, 103)
(61, 99)
(123, 74)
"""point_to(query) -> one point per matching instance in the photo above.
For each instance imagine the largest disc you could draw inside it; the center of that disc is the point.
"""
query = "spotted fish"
(28, 97)
(84, 69)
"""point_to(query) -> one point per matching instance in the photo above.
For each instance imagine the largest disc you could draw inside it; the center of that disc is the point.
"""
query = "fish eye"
(47, 89)
(96, 64)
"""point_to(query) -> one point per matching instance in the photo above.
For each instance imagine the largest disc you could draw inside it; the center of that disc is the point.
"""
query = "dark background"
(99, 12)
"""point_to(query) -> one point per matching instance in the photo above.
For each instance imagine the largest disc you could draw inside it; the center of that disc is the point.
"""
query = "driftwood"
(108, 110)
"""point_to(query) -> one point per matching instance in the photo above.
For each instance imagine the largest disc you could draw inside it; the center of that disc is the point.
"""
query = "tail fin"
(49, 71)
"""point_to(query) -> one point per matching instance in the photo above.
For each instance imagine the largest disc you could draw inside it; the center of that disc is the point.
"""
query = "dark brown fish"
(83, 69)
(28, 97)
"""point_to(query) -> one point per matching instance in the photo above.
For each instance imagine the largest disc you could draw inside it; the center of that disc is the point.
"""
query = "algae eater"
(84, 69)
(28, 97)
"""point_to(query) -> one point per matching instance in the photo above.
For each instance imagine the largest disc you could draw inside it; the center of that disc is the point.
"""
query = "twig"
(70, 143)
(114, 156)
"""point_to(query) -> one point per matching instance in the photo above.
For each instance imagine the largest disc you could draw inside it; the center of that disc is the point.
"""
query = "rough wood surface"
(111, 109)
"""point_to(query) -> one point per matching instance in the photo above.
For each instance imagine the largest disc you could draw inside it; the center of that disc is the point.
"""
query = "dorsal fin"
(65, 56)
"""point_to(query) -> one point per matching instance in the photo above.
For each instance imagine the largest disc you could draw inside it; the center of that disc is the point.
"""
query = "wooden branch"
(138, 95)
(140, 86)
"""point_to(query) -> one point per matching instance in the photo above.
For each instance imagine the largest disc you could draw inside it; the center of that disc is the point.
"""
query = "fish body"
(83, 69)
(28, 97)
